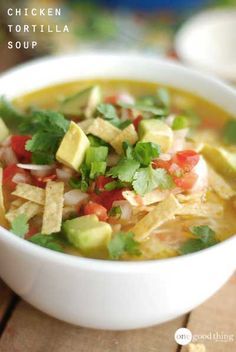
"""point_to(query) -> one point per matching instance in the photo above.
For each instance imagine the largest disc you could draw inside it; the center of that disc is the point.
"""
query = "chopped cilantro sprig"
(145, 152)
(108, 112)
(47, 241)
(204, 237)
(124, 170)
(121, 243)
(135, 168)
(147, 179)
(48, 129)
(157, 105)
(19, 226)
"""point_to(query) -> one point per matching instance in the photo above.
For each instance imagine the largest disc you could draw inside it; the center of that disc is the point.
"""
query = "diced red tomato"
(101, 181)
(186, 181)
(18, 145)
(97, 209)
(111, 99)
(180, 167)
(8, 173)
(107, 198)
(137, 121)
(42, 181)
(162, 164)
(32, 231)
(186, 159)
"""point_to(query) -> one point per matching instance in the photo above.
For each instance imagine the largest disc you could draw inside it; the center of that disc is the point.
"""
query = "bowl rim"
(105, 264)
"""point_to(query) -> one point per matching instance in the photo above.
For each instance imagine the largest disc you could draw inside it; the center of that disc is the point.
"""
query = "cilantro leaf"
(114, 185)
(204, 238)
(19, 225)
(124, 170)
(204, 233)
(43, 146)
(145, 152)
(144, 108)
(47, 241)
(108, 112)
(147, 179)
(157, 105)
(128, 149)
(143, 179)
(229, 132)
(191, 246)
(48, 129)
(45, 120)
(123, 242)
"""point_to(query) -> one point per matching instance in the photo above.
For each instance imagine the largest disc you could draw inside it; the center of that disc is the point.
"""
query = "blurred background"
(200, 33)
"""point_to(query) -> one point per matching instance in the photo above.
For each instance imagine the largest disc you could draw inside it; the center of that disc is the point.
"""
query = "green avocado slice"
(88, 234)
(156, 131)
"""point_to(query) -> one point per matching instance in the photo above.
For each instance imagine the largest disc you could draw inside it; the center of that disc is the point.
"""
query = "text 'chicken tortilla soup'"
(115, 169)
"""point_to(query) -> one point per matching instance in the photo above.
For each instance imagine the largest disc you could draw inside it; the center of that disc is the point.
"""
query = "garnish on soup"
(117, 170)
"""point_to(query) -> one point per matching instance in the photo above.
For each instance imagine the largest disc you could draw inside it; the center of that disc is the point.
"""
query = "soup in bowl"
(117, 163)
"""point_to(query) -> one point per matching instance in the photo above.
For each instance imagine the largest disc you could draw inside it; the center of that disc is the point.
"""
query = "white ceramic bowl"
(207, 41)
(106, 294)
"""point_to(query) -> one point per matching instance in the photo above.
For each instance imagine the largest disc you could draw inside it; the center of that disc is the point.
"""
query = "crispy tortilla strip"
(143, 208)
(192, 197)
(128, 134)
(16, 203)
(29, 192)
(148, 199)
(133, 198)
(85, 124)
(155, 196)
(162, 212)
(204, 210)
(52, 216)
(103, 129)
(199, 347)
(29, 209)
(219, 185)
